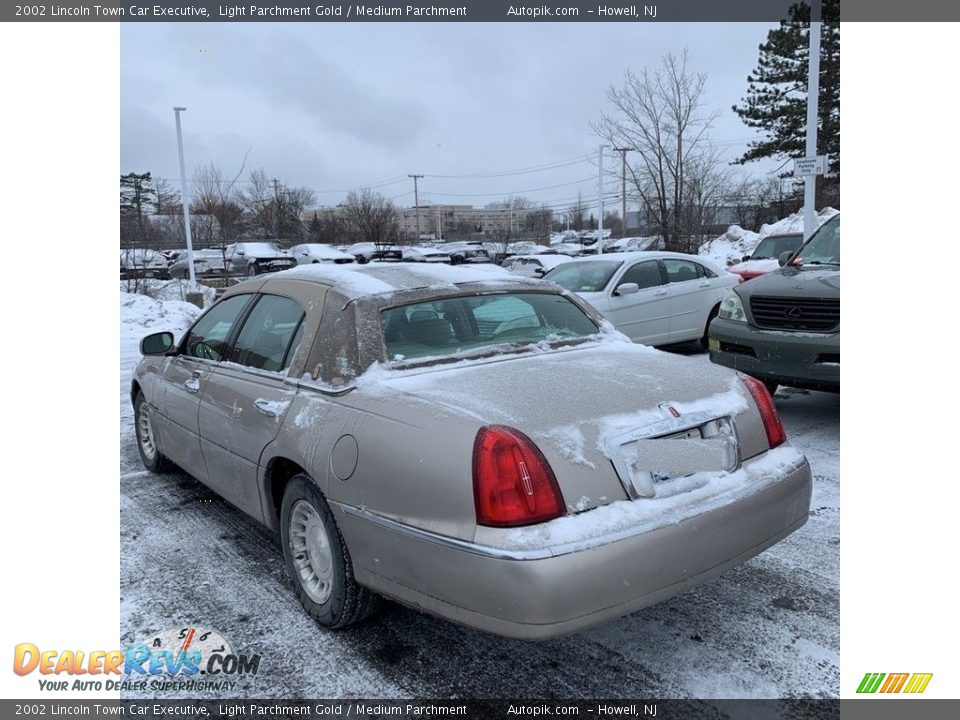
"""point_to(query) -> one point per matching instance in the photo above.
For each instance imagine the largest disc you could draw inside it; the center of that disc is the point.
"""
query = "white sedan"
(654, 298)
(310, 253)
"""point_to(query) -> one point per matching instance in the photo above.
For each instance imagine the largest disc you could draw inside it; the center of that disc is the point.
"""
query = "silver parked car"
(654, 298)
(315, 400)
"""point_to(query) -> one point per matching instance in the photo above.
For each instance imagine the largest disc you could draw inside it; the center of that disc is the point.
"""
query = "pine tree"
(776, 101)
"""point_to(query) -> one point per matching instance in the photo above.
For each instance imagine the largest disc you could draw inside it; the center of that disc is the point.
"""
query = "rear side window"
(207, 339)
(680, 270)
(267, 337)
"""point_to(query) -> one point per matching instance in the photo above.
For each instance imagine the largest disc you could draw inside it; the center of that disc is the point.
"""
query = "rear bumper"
(540, 591)
(808, 360)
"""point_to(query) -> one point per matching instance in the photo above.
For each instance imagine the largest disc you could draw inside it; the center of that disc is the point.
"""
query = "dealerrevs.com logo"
(191, 659)
(911, 683)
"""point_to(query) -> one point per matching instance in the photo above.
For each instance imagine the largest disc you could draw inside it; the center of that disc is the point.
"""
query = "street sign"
(810, 165)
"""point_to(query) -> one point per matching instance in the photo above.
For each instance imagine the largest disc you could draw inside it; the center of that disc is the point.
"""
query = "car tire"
(362, 259)
(456, 260)
(317, 558)
(153, 459)
(253, 269)
(705, 338)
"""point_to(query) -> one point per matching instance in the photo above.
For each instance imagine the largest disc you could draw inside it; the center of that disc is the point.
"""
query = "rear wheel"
(253, 269)
(317, 558)
(153, 459)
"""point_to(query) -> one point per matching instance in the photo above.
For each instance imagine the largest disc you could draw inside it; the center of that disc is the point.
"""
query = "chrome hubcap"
(310, 548)
(145, 434)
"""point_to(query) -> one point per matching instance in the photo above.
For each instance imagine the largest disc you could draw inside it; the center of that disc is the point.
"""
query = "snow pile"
(139, 317)
(736, 242)
(167, 289)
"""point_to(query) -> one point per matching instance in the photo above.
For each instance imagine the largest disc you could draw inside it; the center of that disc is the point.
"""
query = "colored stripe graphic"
(918, 682)
(894, 682)
(870, 682)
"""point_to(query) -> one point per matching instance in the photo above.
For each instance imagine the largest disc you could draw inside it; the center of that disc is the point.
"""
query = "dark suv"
(784, 327)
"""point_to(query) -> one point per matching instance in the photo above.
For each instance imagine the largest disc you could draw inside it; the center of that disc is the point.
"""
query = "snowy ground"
(770, 628)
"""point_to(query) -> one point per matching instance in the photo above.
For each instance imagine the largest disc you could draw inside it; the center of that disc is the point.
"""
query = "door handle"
(705, 284)
(192, 385)
(265, 407)
(660, 293)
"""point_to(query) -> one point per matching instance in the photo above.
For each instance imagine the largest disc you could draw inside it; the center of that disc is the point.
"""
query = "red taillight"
(776, 435)
(512, 480)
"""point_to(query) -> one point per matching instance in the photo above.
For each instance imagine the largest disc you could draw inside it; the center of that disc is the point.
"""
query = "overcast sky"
(336, 106)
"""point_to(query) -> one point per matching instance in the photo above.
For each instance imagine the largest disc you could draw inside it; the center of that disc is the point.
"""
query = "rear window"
(472, 324)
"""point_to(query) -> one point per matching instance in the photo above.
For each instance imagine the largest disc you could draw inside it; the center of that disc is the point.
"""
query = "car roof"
(359, 281)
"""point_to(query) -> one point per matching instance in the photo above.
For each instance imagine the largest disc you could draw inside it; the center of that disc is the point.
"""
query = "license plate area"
(648, 457)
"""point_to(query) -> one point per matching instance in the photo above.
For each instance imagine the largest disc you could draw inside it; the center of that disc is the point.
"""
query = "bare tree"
(660, 114)
(578, 213)
(218, 197)
(371, 217)
(273, 209)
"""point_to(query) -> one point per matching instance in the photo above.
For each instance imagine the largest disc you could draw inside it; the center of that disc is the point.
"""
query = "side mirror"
(627, 289)
(157, 344)
(744, 258)
(784, 257)
(540, 272)
(241, 253)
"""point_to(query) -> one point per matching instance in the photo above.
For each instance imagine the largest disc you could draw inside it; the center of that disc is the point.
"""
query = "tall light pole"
(600, 188)
(184, 201)
(623, 186)
(416, 202)
(813, 105)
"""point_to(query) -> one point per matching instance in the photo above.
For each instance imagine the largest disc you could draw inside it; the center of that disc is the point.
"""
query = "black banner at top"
(617, 11)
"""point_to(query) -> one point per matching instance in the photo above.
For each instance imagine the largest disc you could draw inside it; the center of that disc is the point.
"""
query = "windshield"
(467, 324)
(824, 247)
(590, 276)
(774, 246)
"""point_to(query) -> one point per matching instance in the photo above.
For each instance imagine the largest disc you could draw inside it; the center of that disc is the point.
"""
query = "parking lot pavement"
(770, 628)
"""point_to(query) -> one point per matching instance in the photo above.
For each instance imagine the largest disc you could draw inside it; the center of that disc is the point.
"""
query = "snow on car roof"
(648, 254)
(355, 281)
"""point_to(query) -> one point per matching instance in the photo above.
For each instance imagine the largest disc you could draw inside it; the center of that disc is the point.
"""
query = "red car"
(765, 258)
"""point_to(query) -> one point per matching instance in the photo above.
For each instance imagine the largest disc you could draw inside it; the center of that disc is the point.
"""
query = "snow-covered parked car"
(206, 263)
(425, 254)
(367, 252)
(765, 258)
(143, 262)
(466, 252)
(253, 258)
(534, 265)
(381, 418)
(309, 253)
(654, 298)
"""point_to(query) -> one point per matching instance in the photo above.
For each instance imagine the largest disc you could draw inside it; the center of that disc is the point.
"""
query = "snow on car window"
(589, 276)
(456, 325)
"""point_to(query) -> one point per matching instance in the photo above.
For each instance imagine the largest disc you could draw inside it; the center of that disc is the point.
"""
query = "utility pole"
(600, 187)
(276, 208)
(185, 202)
(623, 186)
(813, 103)
(416, 202)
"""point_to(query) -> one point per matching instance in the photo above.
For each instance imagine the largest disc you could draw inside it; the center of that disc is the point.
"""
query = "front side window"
(207, 339)
(645, 274)
(590, 276)
(266, 338)
(475, 324)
